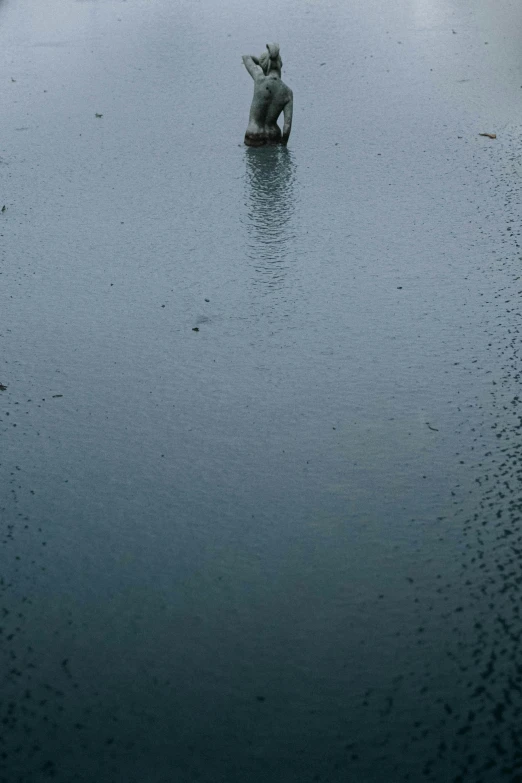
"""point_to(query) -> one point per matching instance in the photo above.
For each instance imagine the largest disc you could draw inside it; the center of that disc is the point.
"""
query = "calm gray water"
(285, 547)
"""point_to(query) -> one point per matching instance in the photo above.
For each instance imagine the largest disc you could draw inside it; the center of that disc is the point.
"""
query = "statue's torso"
(270, 97)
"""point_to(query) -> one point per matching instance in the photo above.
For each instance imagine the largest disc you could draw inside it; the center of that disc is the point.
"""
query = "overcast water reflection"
(271, 211)
(260, 428)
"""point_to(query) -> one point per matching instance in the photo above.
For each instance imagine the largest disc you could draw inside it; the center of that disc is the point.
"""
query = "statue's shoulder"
(260, 78)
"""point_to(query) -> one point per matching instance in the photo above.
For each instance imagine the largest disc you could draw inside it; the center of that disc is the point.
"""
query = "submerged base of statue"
(264, 138)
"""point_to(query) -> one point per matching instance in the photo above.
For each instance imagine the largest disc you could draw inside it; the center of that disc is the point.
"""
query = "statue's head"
(270, 61)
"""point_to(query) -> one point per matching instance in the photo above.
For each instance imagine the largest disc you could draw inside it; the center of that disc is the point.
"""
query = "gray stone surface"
(271, 98)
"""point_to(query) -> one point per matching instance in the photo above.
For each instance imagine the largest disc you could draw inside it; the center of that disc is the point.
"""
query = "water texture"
(260, 430)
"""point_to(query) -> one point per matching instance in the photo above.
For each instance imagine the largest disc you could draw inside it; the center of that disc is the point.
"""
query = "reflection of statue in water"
(271, 201)
(271, 97)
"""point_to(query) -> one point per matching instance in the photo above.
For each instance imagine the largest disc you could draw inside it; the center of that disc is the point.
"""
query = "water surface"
(285, 546)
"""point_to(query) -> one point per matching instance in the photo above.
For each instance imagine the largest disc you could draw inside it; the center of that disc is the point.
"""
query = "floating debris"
(2, 387)
(195, 329)
(430, 427)
(489, 135)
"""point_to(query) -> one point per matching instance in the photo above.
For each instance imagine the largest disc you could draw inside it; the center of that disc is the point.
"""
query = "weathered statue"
(271, 97)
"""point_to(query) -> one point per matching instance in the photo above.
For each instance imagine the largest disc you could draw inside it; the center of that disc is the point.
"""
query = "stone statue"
(271, 97)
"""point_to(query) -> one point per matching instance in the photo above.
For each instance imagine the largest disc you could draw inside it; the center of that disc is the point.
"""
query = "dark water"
(286, 546)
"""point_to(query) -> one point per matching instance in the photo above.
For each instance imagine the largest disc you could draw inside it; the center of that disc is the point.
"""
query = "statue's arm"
(252, 66)
(288, 111)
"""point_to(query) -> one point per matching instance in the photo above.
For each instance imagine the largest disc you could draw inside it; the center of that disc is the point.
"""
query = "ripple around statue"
(271, 97)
